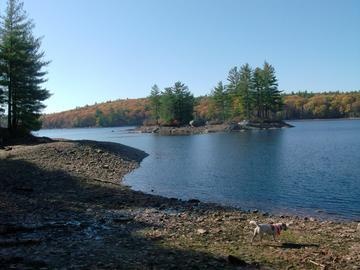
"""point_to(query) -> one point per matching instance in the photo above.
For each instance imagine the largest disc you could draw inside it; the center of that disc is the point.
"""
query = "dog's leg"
(274, 237)
(254, 235)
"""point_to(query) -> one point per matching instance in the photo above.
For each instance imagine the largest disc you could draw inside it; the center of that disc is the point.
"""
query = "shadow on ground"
(49, 218)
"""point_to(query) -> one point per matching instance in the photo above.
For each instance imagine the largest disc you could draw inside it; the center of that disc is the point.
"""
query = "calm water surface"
(313, 168)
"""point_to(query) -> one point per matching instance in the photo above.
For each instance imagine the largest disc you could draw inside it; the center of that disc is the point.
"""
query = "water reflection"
(312, 167)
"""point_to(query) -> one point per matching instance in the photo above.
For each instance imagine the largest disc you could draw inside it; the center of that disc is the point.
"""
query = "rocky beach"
(212, 128)
(63, 206)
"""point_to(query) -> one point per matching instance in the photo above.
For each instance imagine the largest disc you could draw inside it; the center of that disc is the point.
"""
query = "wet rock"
(122, 219)
(194, 201)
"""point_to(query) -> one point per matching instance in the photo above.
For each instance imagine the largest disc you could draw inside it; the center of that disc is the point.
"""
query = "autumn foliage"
(300, 105)
(113, 113)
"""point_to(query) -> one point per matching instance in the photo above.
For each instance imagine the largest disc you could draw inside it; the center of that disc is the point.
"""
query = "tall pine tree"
(155, 102)
(233, 90)
(272, 100)
(246, 90)
(220, 101)
(21, 69)
(258, 87)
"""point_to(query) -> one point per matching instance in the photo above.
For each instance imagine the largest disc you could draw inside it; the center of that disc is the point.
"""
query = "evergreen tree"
(258, 86)
(233, 90)
(272, 100)
(167, 105)
(21, 69)
(246, 90)
(220, 101)
(184, 103)
(155, 102)
(176, 104)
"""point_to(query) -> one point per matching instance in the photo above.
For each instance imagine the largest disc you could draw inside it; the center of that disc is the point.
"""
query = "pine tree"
(167, 105)
(176, 104)
(184, 103)
(233, 90)
(21, 69)
(272, 100)
(155, 102)
(220, 101)
(246, 90)
(258, 86)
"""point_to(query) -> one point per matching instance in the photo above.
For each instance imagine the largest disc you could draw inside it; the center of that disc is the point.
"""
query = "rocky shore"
(212, 128)
(62, 206)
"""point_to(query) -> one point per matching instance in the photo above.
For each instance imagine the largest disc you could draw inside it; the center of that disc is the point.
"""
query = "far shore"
(63, 205)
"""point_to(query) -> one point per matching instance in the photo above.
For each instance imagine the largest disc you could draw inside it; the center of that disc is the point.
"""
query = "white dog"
(270, 229)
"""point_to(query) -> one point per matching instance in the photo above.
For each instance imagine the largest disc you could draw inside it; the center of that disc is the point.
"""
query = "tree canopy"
(249, 94)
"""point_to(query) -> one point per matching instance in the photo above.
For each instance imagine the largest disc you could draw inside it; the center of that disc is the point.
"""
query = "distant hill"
(121, 112)
(301, 105)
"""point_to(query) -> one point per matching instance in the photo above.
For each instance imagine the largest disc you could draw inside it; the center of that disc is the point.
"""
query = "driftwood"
(318, 264)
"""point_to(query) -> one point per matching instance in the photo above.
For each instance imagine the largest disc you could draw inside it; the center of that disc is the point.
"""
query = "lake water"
(312, 169)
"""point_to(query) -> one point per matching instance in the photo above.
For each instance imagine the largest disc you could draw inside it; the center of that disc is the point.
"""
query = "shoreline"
(213, 128)
(64, 205)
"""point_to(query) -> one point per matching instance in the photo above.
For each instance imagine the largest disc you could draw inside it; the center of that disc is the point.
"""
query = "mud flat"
(62, 205)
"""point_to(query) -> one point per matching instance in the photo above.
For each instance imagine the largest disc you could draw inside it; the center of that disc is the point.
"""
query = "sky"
(114, 49)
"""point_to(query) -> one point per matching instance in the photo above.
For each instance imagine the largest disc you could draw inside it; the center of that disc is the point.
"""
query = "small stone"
(201, 231)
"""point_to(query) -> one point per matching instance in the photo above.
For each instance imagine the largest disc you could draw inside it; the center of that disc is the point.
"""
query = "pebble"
(201, 231)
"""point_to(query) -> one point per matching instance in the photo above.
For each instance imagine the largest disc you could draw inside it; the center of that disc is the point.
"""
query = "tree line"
(304, 105)
(249, 94)
(173, 106)
(21, 71)
(122, 112)
(301, 105)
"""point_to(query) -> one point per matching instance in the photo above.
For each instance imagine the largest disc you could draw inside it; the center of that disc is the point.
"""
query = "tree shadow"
(288, 245)
(50, 218)
(298, 245)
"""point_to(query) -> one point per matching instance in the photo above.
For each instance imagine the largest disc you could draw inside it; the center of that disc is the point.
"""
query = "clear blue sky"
(110, 49)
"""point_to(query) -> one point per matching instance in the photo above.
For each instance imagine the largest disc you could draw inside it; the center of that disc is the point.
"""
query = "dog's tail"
(252, 222)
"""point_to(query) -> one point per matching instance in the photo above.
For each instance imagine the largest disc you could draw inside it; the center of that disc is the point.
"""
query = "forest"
(300, 105)
(250, 94)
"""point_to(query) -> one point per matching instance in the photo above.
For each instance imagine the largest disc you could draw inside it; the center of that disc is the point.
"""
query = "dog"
(269, 229)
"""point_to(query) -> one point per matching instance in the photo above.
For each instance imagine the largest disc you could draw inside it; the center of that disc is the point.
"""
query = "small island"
(251, 100)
